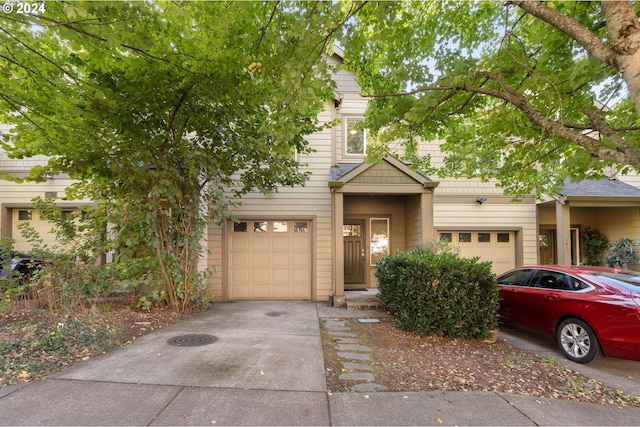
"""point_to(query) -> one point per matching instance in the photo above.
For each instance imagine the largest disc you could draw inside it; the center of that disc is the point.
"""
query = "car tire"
(578, 342)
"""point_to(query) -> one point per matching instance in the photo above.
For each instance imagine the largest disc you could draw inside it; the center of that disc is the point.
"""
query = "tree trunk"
(624, 30)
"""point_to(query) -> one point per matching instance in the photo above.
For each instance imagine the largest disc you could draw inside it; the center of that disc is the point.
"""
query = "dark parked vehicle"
(22, 266)
(591, 312)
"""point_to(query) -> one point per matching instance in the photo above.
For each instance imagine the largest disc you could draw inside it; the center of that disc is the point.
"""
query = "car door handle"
(551, 296)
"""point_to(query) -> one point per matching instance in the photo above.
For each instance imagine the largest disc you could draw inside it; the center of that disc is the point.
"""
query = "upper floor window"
(355, 137)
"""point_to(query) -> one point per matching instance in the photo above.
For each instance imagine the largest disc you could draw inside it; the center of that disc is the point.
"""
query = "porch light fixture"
(480, 200)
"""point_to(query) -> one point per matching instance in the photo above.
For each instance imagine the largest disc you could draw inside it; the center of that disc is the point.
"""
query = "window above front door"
(355, 137)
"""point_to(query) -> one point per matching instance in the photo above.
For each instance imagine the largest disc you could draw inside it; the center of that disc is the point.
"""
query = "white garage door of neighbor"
(496, 246)
(270, 260)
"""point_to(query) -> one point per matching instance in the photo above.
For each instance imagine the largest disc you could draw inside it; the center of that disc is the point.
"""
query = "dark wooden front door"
(546, 246)
(354, 251)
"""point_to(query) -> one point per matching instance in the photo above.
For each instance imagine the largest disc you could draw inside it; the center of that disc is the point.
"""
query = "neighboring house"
(315, 242)
(15, 199)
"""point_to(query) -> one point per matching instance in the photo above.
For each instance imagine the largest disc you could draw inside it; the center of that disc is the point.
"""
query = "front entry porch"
(377, 210)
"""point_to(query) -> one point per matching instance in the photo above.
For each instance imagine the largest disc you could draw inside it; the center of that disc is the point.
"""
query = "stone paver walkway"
(355, 358)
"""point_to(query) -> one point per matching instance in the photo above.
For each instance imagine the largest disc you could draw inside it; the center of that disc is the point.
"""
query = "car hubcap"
(575, 340)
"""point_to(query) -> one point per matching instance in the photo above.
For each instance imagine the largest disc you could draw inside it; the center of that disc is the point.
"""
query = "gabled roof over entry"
(390, 175)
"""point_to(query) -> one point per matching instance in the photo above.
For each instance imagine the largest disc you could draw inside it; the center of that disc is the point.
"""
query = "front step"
(363, 300)
(364, 305)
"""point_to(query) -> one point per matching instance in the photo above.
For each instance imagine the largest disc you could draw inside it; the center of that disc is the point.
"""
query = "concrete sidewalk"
(265, 367)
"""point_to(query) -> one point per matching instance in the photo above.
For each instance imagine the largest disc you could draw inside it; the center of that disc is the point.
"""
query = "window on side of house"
(355, 137)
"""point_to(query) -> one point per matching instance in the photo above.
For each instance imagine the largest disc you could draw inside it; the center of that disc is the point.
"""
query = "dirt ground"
(402, 361)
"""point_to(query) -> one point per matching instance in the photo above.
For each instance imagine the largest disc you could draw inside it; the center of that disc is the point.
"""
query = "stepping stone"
(355, 356)
(338, 329)
(341, 334)
(351, 366)
(357, 376)
(369, 320)
(341, 340)
(352, 347)
(334, 324)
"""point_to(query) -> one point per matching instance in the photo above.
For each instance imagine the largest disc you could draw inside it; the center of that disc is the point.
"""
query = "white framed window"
(355, 141)
(379, 239)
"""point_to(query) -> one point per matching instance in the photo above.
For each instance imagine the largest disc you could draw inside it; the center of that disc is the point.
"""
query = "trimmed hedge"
(439, 294)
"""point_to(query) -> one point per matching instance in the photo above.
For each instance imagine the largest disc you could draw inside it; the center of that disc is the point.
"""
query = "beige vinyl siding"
(618, 222)
(215, 260)
(311, 202)
(449, 186)
(614, 222)
(413, 222)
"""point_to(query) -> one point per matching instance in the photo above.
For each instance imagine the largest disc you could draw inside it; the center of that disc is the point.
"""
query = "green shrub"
(439, 293)
(593, 245)
(622, 254)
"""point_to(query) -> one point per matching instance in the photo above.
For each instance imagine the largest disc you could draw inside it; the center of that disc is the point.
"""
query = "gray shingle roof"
(603, 187)
(342, 169)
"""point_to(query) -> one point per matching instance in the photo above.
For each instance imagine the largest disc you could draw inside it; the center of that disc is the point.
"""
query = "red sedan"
(591, 312)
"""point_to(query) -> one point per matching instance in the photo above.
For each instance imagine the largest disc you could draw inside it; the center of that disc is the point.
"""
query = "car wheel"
(578, 342)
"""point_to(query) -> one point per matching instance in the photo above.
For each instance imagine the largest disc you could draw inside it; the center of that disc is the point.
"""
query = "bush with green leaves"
(594, 244)
(622, 254)
(439, 293)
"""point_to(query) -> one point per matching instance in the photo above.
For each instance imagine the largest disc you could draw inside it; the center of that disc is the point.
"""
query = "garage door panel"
(259, 275)
(259, 291)
(281, 275)
(240, 242)
(277, 258)
(281, 292)
(300, 260)
(281, 242)
(299, 275)
(240, 259)
(259, 259)
(498, 247)
(239, 275)
(259, 242)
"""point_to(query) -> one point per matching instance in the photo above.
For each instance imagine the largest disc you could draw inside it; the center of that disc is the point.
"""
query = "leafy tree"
(160, 108)
(528, 92)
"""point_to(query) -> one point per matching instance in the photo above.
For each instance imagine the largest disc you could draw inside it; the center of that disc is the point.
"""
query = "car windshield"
(628, 281)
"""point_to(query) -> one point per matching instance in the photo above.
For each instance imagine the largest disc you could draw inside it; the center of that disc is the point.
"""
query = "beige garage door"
(43, 227)
(495, 246)
(270, 260)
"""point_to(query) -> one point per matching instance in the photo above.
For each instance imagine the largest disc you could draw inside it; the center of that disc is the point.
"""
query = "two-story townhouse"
(317, 241)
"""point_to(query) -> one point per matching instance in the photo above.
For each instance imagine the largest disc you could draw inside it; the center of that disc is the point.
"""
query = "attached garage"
(499, 247)
(270, 260)
(44, 228)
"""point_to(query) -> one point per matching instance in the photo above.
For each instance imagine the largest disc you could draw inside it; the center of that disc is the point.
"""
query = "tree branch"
(623, 152)
(572, 28)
